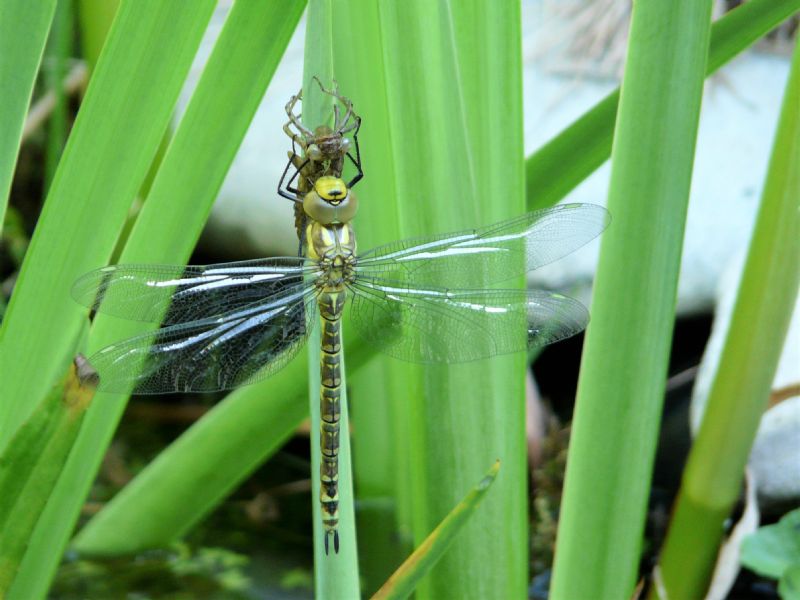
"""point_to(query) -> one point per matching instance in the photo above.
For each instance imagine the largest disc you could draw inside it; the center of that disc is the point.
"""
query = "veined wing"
(438, 325)
(236, 348)
(490, 254)
(171, 294)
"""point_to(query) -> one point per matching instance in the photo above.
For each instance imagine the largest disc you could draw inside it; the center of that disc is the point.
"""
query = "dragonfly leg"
(294, 119)
(344, 125)
(357, 160)
(289, 192)
(296, 139)
(335, 117)
(341, 124)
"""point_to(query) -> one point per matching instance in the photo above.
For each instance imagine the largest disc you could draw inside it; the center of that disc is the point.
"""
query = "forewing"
(437, 325)
(488, 255)
(172, 294)
(237, 348)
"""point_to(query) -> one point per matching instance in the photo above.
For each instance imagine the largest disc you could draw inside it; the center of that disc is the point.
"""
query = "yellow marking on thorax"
(344, 238)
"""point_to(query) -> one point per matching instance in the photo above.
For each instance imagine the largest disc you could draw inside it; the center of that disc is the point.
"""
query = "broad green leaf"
(774, 548)
(454, 101)
(23, 33)
(626, 352)
(789, 583)
(378, 392)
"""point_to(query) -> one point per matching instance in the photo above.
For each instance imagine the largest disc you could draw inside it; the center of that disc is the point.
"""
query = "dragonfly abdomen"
(333, 246)
(330, 307)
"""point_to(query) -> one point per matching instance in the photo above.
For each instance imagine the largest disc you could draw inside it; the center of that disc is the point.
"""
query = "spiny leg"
(294, 119)
(294, 136)
(341, 124)
(354, 124)
(335, 117)
(292, 101)
(345, 124)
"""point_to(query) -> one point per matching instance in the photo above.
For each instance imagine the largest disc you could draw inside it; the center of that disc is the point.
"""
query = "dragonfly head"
(330, 201)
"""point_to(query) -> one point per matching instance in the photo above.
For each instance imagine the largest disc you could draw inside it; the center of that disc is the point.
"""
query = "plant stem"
(740, 391)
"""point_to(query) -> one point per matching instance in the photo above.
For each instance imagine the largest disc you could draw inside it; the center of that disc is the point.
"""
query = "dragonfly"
(422, 300)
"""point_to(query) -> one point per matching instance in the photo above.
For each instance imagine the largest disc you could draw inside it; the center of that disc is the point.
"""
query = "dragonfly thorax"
(330, 201)
(334, 248)
(336, 272)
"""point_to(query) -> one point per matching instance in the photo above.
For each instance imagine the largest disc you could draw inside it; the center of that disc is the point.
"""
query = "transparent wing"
(171, 294)
(490, 254)
(237, 348)
(437, 325)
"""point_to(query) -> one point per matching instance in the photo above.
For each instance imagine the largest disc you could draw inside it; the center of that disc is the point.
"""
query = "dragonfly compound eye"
(330, 201)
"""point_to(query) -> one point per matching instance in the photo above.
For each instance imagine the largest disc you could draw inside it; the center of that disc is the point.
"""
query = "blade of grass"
(452, 138)
(740, 392)
(622, 377)
(124, 114)
(30, 465)
(377, 392)
(562, 163)
(23, 33)
(403, 582)
(57, 54)
(335, 573)
(95, 18)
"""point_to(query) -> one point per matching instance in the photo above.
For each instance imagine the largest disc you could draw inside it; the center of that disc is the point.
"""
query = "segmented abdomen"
(330, 306)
